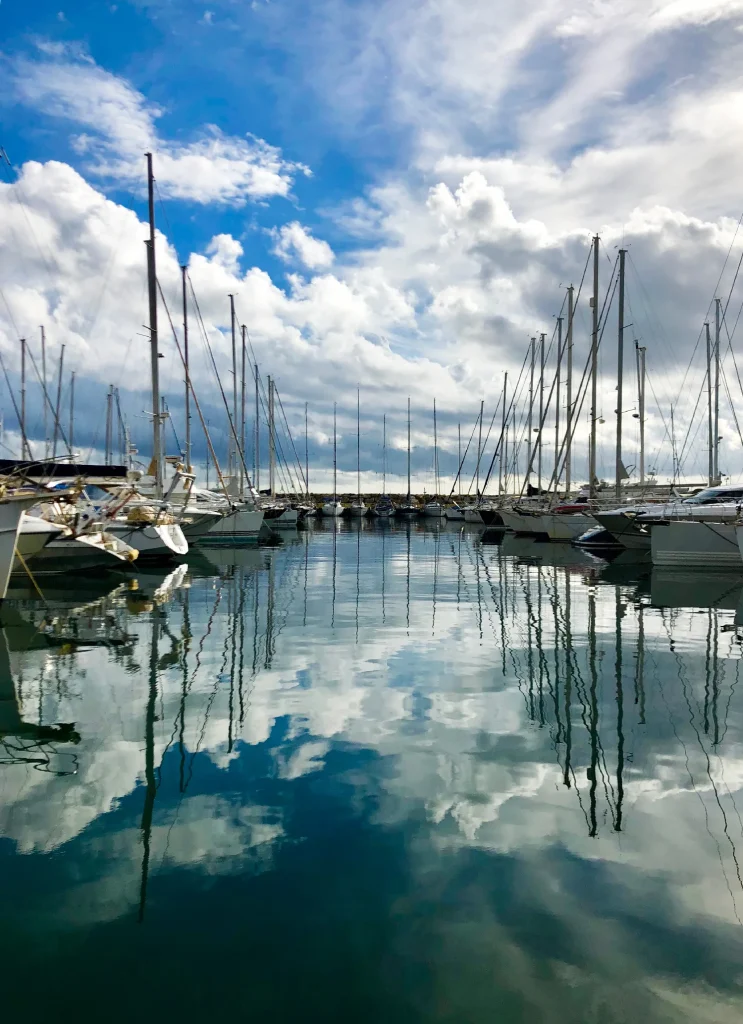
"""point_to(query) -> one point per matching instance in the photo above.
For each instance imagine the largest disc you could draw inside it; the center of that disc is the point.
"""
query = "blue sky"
(397, 193)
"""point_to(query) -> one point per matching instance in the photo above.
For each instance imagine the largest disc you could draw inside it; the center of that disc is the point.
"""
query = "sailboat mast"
(569, 391)
(503, 464)
(154, 353)
(479, 447)
(594, 370)
(187, 405)
(59, 399)
(408, 446)
(306, 450)
(436, 450)
(72, 413)
(619, 468)
(109, 402)
(43, 386)
(231, 451)
(459, 458)
(640, 355)
(541, 411)
(358, 446)
(530, 420)
(335, 456)
(25, 450)
(257, 473)
(271, 440)
(717, 394)
(243, 397)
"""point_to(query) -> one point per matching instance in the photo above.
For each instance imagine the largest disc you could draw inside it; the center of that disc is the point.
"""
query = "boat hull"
(566, 528)
(696, 545)
(11, 513)
(331, 510)
(473, 516)
(524, 524)
(152, 541)
(241, 526)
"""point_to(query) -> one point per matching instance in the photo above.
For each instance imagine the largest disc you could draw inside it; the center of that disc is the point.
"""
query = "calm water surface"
(374, 775)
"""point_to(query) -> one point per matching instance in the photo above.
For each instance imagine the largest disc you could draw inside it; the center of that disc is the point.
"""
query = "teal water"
(374, 775)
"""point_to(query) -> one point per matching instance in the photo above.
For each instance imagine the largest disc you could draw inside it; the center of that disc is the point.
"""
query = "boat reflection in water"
(369, 748)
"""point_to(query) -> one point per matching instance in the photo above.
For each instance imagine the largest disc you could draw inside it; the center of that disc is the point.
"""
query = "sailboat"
(384, 507)
(333, 508)
(410, 507)
(358, 509)
(434, 509)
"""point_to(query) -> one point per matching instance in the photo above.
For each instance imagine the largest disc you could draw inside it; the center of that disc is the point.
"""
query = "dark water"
(384, 775)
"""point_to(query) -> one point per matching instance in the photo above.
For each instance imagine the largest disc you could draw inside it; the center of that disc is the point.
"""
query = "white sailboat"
(384, 507)
(357, 510)
(333, 508)
(410, 506)
(434, 509)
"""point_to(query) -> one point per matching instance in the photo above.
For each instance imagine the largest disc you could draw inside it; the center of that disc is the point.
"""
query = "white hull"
(151, 541)
(566, 527)
(357, 511)
(331, 509)
(455, 515)
(241, 526)
(33, 535)
(624, 530)
(433, 511)
(472, 515)
(195, 524)
(286, 521)
(696, 545)
(521, 523)
(11, 511)
(95, 550)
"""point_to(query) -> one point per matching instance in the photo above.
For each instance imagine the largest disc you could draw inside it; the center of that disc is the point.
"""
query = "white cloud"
(295, 242)
(119, 126)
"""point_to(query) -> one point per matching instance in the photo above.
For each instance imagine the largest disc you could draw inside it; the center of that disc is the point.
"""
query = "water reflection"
(480, 750)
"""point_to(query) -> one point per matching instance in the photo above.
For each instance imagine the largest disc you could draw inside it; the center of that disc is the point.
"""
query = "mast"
(531, 413)
(335, 456)
(710, 416)
(358, 446)
(43, 385)
(242, 411)
(717, 393)
(25, 449)
(72, 413)
(409, 449)
(306, 451)
(479, 444)
(569, 390)
(232, 460)
(557, 402)
(619, 467)
(459, 458)
(384, 453)
(271, 441)
(257, 467)
(640, 356)
(436, 450)
(541, 411)
(187, 406)
(109, 402)
(154, 354)
(59, 399)
(594, 370)
(504, 442)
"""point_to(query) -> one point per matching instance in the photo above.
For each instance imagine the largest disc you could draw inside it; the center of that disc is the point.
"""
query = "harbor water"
(401, 772)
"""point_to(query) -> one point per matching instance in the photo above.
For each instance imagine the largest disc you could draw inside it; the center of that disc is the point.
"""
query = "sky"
(397, 195)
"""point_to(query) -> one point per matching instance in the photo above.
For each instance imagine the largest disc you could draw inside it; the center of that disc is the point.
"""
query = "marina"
(375, 745)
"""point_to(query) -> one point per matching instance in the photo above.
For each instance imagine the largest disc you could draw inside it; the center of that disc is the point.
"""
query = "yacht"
(630, 525)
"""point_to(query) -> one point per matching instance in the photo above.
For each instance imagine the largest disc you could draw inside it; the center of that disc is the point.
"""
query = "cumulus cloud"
(295, 242)
(119, 125)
